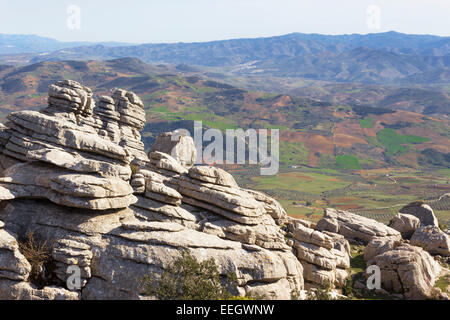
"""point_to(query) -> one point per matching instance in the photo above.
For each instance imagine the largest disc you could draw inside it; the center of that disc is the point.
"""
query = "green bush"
(188, 279)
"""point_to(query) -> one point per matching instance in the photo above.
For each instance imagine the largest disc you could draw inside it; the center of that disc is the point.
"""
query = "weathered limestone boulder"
(433, 240)
(165, 164)
(405, 269)
(377, 246)
(354, 227)
(423, 212)
(323, 261)
(213, 175)
(406, 224)
(180, 146)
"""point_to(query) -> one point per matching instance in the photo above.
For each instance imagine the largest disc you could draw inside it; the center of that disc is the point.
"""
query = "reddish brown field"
(316, 143)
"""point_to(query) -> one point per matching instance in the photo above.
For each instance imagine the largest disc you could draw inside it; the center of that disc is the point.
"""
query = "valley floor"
(378, 194)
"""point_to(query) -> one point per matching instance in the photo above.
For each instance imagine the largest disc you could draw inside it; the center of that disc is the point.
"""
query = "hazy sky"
(142, 21)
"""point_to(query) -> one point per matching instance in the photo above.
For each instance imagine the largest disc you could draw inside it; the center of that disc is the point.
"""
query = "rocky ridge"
(76, 174)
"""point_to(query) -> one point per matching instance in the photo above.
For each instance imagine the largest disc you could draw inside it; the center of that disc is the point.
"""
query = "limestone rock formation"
(178, 145)
(423, 212)
(354, 227)
(406, 224)
(15, 271)
(432, 239)
(75, 173)
(13, 265)
(405, 269)
(324, 260)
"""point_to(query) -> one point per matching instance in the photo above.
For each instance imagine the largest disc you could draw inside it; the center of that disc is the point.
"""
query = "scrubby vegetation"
(38, 254)
(188, 279)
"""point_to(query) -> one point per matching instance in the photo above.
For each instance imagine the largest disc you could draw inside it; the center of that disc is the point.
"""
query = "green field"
(377, 194)
(394, 142)
(313, 183)
(366, 123)
(348, 162)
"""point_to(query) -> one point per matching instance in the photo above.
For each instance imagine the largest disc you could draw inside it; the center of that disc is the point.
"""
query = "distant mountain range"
(19, 44)
(383, 58)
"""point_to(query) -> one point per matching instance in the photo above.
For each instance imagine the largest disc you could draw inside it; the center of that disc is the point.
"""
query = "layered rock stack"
(65, 158)
(117, 214)
(132, 120)
(325, 257)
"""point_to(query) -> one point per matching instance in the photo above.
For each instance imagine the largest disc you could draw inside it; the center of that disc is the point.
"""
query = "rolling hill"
(373, 58)
(313, 133)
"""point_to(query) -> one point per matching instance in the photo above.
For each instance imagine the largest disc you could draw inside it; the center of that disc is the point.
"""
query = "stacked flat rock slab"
(68, 253)
(69, 99)
(405, 269)
(324, 260)
(105, 111)
(209, 199)
(132, 119)
(354, 227)
(64, 157)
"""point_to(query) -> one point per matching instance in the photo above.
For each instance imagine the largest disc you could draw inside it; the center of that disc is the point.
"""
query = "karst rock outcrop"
(76, 176)
(405, 269)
